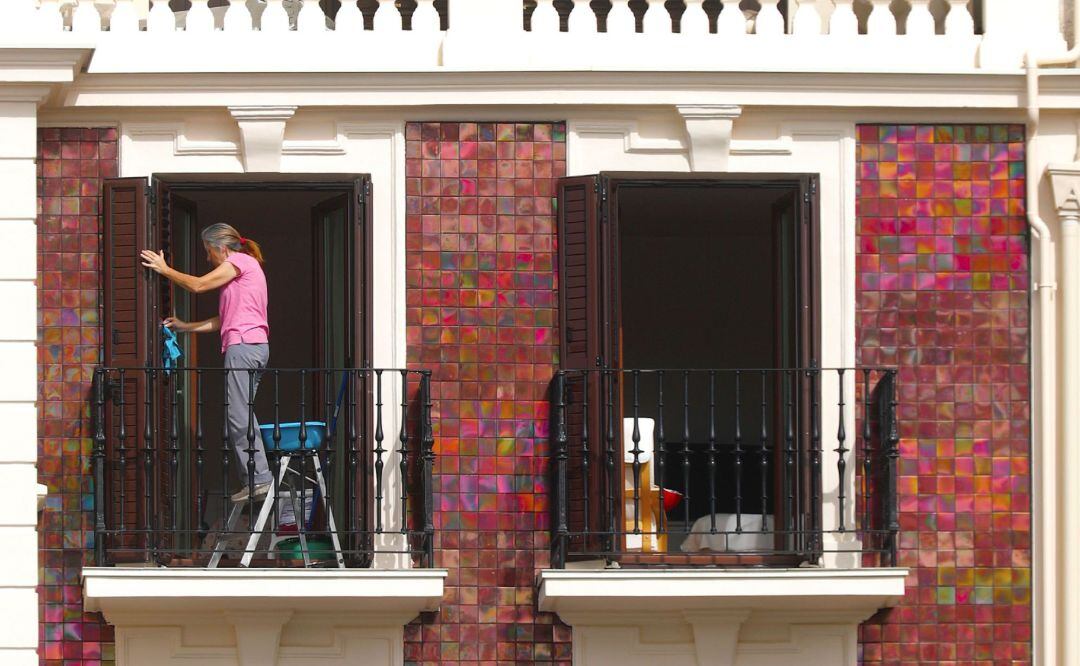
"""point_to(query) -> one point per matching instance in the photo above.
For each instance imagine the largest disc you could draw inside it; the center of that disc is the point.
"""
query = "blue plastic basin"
(290, 436)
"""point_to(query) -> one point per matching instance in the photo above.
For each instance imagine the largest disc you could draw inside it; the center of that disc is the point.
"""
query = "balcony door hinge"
(602, 186)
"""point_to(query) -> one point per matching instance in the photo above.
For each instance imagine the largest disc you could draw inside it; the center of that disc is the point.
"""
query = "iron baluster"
(613, 491)
(275, 458)
(121, 403)
(890, 499)
(302, 436)
(686, 452)
(764, 450)
(558, 430)
(841, 451)
(867, 467)
(98, 460)
(659, 452)
(427, 439)
(174, 451)
(225, 452)
(403, 451)
(200, 461)
(712, 452)
(738, 452)
(251, 450)
(586, 463)
(379, 452)
(353, 507)
(148, 467)
(815, 461)
(636, 452)
(331, 432)
(790, 526)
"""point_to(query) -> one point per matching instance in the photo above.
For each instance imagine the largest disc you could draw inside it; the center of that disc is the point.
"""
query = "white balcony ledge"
(404, 593)
(178, 617)
(844, 591)
(716, 616)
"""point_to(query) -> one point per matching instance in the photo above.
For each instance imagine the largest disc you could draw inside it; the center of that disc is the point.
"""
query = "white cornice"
(42, 65)
(970, 90)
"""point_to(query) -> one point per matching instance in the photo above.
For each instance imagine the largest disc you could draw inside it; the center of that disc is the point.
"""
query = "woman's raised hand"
(155, 261)
(178, 325)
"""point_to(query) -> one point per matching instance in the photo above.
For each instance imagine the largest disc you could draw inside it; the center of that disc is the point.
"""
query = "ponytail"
(225, 237)
(250, 247)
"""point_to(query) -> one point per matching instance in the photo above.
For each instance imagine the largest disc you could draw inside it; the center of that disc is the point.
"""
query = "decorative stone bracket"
(1065, 179)
(709, 128)
(262, 135)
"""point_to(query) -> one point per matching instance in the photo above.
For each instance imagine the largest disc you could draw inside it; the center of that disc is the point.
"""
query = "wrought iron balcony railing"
(350, 451)
(725, 467)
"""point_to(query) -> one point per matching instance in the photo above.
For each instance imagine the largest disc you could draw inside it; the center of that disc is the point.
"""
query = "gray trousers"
(241, 386)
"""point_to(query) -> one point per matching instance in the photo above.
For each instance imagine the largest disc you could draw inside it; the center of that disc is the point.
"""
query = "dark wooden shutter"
(126, 230)
(581, 346)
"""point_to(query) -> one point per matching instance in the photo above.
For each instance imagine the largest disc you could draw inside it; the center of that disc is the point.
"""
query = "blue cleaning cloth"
(171, 352)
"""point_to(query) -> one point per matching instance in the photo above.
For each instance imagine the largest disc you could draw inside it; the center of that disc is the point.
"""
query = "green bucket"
(320, 549)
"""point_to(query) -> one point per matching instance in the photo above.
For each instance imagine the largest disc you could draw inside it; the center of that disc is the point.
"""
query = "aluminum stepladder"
(298, 511)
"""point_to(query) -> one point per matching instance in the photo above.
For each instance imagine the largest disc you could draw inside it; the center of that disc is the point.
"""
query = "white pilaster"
(23, 86)
(1065, 180)
(18, 384)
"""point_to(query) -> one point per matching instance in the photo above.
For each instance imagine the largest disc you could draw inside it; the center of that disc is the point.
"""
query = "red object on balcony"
(671, 498)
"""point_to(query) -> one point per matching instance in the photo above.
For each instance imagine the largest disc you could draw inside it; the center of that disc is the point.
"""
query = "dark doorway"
(315, 233)
(713, 281)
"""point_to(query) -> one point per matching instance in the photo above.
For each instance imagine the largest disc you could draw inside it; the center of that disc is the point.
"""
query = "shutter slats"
(581, 317)
(126, 231)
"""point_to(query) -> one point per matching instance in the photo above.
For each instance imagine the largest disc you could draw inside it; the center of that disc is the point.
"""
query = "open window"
(316, 234)
(689, 315)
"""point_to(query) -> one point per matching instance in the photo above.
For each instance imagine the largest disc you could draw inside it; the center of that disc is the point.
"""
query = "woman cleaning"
(245, 334)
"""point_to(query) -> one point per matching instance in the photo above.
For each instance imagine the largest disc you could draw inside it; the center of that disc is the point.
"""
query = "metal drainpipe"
(1046, 288)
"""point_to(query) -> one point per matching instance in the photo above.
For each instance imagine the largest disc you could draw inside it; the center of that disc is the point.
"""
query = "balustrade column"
(657, 20)
(807, 19)
(124, 18)
(545, 18)
(694, 20)
(844, 22)
(161, 17)
(769, 20)
(199, 18)
(86, 17)
(959, 22)
(620, 20)
(731, 23)
(275, 18)
(582, 19)
(311, 17)
(881, 21)
(350, 19)
(426, 18)
(238, 18)
(387, 18)
(920, 22)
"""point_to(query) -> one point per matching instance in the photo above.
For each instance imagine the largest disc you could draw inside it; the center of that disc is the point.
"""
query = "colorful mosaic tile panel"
(943, 293)
(71, 165)
(482, 315)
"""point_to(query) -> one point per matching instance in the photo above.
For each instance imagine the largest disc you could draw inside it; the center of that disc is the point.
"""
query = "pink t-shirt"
(242, 304)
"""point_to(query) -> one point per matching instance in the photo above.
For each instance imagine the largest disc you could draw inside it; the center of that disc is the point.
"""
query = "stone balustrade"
(856, 35)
